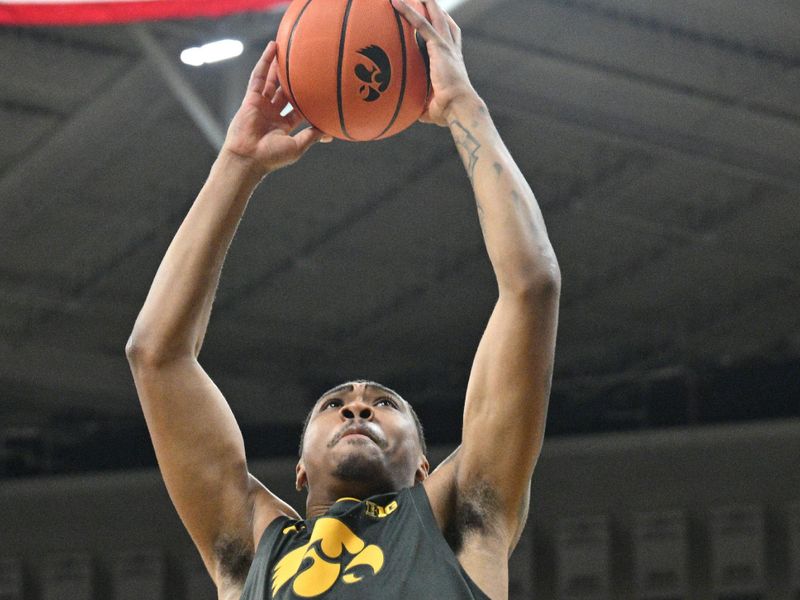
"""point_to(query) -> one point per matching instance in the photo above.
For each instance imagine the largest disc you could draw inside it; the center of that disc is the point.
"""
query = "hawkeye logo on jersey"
(317, 565)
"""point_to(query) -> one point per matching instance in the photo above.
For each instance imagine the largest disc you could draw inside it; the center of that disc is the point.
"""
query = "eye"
(388, 401)
(333, 403)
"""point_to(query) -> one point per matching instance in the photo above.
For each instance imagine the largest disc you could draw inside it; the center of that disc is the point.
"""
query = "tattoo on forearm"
(468, 146)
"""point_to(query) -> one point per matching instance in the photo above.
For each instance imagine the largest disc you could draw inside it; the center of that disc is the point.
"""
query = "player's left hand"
(259, 133)
(449, 78)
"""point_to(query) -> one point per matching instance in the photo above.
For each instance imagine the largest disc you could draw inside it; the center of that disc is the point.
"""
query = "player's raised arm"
(509, 386)
(197, 441)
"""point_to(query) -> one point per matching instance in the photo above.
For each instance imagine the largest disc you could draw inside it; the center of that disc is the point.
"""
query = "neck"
(320, 500)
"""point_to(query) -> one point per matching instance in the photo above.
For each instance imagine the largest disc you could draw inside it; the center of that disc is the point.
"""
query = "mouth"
(356, 433)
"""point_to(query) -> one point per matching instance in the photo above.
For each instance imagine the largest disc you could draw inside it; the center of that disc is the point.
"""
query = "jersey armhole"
(422, 506)
(277, 524)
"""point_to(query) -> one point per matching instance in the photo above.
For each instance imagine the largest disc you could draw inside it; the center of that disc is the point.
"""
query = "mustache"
(361, 428)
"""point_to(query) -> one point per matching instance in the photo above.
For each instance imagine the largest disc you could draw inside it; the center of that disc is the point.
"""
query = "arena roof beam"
(189, 99)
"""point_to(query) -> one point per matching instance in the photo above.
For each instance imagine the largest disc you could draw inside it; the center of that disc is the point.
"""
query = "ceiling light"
(225, 49)
(212, 52)
(449, 5)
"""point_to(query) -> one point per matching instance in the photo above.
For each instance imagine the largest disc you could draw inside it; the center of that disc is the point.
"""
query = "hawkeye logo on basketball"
(332, 553)
(376, 76)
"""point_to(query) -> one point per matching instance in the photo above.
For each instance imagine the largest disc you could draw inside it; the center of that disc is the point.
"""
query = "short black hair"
(417, 422)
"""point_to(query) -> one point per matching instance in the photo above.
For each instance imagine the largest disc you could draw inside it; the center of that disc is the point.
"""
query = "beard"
(365, 472)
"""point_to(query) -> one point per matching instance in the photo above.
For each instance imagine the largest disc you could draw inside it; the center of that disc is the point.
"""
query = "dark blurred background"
(662, 141)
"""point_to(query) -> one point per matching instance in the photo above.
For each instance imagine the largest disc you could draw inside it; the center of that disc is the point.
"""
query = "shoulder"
(234, 552)
(267, 507)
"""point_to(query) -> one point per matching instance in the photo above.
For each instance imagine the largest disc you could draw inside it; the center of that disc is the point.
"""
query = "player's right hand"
(449, 79)
(258, 133)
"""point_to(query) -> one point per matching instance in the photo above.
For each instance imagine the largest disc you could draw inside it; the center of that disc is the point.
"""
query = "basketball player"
(378, 525)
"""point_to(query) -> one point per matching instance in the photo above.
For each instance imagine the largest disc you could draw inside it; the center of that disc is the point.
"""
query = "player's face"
(364, 435)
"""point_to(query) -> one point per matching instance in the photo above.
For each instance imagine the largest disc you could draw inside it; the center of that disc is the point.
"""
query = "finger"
(294, 119)
(308, 137)
(455, 30)
(258, 77)
(272, 83)
(416, 20)
(438, 18)
(279, 99)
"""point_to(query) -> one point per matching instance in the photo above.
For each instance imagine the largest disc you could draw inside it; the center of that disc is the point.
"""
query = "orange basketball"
(355, 69)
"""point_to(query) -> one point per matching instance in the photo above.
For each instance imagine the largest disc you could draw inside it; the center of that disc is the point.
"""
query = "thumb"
(310, 136)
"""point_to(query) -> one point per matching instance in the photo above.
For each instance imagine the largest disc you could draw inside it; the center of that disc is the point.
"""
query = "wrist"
(247, 169)
(469, 105)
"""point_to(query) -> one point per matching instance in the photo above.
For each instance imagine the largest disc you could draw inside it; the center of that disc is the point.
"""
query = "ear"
(422, 470)
(300, 480)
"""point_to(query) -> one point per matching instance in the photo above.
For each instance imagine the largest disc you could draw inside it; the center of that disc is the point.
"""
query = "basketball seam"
(339, 70)
(288, 50)
(403, 78)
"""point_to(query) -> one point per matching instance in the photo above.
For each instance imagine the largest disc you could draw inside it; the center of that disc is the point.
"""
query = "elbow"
(143, 353)
(538, 281)
(137, 352)
(131, 349)
(547, 279)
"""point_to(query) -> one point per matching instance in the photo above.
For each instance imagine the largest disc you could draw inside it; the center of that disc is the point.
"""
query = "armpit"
(234, 557)
(476, 510)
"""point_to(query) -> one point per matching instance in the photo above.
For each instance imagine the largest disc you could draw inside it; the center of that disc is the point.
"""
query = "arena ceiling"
(662, 140)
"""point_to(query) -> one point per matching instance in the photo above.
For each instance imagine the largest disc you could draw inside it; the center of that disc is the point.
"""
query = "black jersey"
(388, 547)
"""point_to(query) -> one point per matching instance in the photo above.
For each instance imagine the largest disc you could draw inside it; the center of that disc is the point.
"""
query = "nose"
(356, 408)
